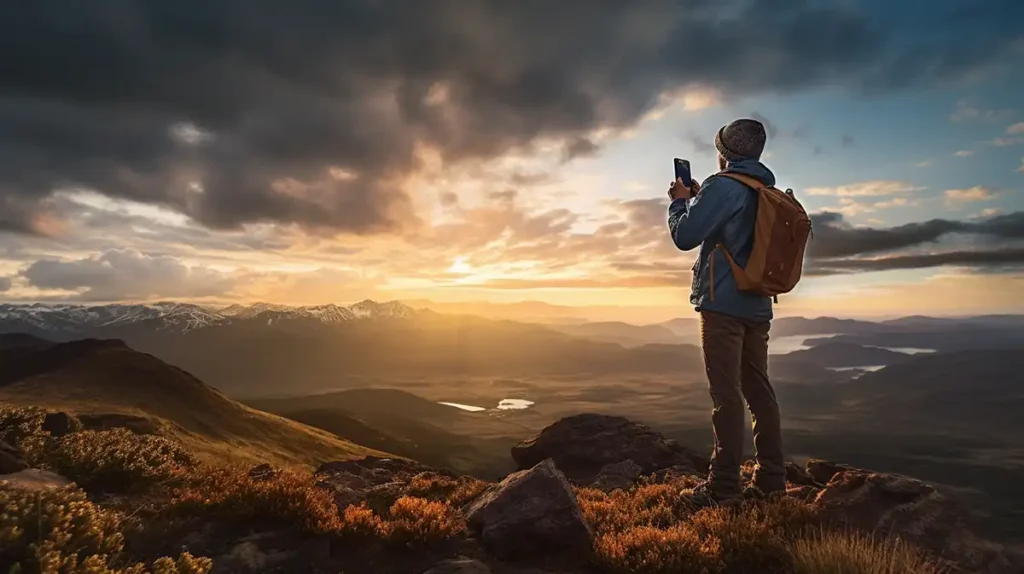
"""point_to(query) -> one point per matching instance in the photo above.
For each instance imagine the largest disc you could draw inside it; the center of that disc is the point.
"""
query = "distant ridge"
(45, 319)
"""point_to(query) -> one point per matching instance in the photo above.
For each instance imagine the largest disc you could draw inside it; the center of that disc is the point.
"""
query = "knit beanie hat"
(741, 139)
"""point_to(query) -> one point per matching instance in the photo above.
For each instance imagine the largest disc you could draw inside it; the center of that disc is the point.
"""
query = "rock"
(530, 511)
(373, 470)
(581, 445)
(10, 459)
(59, 424)
(800, 477)
(348, 480)
(35, 479)
(617, 475)
(822, 471)
(460, 566)
(381, 497)
(911, 510)
(262, 472)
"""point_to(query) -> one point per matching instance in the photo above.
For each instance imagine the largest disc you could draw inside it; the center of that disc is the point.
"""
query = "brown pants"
(736, 360)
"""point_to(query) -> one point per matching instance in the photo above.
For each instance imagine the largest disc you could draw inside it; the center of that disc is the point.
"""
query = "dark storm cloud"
(5, 284)
(987, 259)
(310, 111)
(833, 237)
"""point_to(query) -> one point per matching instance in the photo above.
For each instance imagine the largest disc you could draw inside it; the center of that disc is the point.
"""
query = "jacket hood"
(753, 168)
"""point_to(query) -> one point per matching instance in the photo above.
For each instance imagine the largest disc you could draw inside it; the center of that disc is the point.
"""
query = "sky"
(485, 152)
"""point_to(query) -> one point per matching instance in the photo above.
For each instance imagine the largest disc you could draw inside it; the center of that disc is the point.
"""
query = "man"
(733, 325)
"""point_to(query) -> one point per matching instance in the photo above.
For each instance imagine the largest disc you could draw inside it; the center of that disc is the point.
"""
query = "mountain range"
(65, 319)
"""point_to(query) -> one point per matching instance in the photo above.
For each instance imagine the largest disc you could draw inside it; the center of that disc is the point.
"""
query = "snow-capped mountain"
(184, 317)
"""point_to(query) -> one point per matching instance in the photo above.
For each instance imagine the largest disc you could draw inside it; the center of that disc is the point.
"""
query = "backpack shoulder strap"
(744, 179)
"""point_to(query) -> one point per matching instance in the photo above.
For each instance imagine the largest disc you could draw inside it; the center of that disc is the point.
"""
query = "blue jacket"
(724, 210)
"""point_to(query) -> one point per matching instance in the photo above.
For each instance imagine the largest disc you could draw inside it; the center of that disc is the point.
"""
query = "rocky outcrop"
(530, 511)
(10, 459)
(377, 481)
(896, 505)
(822, 471)
(580, 446)
(375, 469)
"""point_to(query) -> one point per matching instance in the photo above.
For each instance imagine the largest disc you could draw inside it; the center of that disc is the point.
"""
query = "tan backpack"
(780, 238)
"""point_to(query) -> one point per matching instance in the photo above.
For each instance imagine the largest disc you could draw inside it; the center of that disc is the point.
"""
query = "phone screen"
(683, 170)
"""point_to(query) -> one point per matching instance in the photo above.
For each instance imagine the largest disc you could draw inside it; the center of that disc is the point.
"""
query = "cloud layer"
(316, 112)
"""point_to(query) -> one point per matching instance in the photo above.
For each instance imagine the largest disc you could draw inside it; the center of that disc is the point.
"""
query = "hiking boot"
(704, 495)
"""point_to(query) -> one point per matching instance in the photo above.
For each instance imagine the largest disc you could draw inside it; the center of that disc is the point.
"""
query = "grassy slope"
(92, 377)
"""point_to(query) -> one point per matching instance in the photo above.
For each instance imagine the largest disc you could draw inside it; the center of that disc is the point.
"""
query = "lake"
(503, 405)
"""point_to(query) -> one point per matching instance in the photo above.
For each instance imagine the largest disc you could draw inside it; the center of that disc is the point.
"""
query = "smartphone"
(683, 170)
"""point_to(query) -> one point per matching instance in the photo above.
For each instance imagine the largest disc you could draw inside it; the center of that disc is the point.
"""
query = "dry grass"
(832, 552)
(651, 529)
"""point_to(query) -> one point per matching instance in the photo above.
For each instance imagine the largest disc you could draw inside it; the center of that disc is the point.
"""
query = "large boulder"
(10, 459)
(913, 511)
(582, 445)
(531, 510)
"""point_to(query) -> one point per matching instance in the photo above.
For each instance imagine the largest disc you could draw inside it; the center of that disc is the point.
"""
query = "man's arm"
(691, 221)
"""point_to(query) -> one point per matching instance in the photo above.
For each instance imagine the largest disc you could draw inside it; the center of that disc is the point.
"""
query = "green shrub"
(58, 531)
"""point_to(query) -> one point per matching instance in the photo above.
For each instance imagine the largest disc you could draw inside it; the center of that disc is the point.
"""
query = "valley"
(338, 382)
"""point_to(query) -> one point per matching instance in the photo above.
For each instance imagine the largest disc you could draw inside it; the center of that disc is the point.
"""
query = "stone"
(822, 471)
(530, 511)
(10, 459)
(59, 424)
(262, 472)
(620, 475)
(381, 497)
(911, 510)
(460, 566)
(35, 479)
(800, 477)
(581, 445)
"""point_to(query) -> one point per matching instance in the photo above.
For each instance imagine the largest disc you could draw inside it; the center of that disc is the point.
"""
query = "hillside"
(608, 495)
(623, 334)
(407, 425)
(979, 393)
(105, 380)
